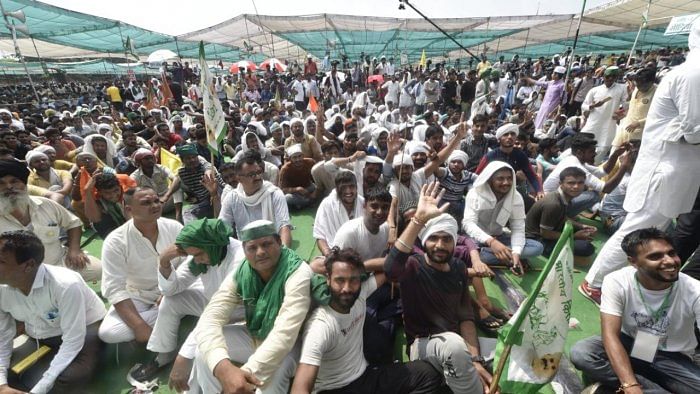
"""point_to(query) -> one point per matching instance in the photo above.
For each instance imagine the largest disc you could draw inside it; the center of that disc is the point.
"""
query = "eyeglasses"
(253, 174)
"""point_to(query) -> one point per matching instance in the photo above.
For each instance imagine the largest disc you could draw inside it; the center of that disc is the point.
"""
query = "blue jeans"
(532, 249)
(670, 371)
(584, 201)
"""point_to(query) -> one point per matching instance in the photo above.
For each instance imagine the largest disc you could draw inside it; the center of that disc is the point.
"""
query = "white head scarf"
(458, 155)
(481, 197)
(445, 222)
(111, 148)
(32, 154)
(331, 120)
(507, 128)
(293, 150)
(244, 142)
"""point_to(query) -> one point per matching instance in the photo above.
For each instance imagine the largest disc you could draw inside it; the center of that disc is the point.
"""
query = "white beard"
(10, 204)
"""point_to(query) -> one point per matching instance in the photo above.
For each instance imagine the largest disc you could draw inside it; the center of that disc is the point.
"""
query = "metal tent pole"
(11, 26)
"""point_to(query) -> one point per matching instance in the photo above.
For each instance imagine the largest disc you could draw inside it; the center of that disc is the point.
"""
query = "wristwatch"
(478, 359)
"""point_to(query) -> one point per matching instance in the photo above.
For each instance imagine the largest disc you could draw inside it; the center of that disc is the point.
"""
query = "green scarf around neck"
(263, 300)
(210, 235)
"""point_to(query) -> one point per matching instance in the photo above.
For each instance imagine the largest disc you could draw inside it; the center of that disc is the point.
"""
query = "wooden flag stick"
(499, 368)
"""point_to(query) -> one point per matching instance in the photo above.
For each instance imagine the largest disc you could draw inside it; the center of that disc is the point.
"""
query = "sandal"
(500, 314)
(489, 325)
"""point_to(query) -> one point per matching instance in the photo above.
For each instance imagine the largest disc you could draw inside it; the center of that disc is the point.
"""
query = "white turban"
(560, 70)
(444, 222)
(33, 154)
(374, 160)
(293, 150)
(458, 155)
(45, 148)
(418, 147)
(507, 128)
(402, 160)
(5, 111)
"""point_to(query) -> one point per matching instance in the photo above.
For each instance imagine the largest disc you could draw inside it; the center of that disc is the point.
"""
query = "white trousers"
(611, 257)
(172, 309)
(114, 330)
(240, 347)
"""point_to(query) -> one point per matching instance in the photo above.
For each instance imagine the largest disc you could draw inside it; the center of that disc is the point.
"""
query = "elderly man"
(131, 256)
(439, 319)
(295, 179)
(255, 199)
(45, 218)
(44, 176)
(602, 104)
(489, 206)
(273, 286)
(664, 182)
(58, 310)
(158, 178)
(309, 146)
(213, 256)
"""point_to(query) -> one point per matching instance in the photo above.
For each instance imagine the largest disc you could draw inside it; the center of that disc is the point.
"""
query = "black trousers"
(686, 239)
(417, 377)
(74, 378)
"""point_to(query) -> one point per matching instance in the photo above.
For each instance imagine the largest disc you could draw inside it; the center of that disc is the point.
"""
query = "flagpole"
(645, 19)
(573, 47)
(499, 368)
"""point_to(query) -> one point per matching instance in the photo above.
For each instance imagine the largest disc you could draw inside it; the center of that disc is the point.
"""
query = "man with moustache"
(45, 218)
(647, 312)
(332, 359)
(341, 206)
(438, 315)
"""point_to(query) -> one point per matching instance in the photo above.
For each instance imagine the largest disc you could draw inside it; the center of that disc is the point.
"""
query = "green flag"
(537, 332)
(214, 120)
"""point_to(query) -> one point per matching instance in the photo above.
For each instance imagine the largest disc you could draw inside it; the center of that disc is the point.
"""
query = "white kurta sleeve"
(71, 306)
(7, 333)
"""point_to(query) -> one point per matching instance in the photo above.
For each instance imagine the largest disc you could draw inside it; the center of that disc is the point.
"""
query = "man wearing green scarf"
(272, 286)
(212, 257)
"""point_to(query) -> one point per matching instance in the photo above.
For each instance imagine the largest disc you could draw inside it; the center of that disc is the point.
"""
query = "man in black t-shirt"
(438, 316)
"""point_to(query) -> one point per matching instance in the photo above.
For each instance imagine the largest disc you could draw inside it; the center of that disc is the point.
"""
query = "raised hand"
(428, 208)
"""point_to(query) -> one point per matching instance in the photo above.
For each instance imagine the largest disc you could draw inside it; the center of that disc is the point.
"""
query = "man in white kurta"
(58, 310)
(665, 181)
(186, 291)
(602, 104)
(342, 205)
(130, 256)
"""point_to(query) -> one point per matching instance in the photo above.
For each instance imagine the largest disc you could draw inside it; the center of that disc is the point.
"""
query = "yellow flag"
(170, 161)
(422, 59)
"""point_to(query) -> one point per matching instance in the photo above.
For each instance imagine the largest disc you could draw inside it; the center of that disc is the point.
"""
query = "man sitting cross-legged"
(438, 314)
(130, 256)
(213, 256)
(332, 358)
(58, 310)
(648, 312)
(273, 286)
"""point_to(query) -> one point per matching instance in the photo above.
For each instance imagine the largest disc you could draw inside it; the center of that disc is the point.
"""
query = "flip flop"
(489, 325)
